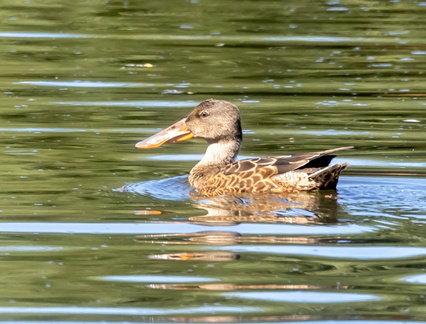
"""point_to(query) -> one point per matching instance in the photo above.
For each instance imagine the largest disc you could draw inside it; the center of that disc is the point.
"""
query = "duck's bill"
(175, 133)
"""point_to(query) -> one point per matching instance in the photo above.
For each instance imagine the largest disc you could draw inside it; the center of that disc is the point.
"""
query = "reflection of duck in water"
(301, 208)
(218, 122)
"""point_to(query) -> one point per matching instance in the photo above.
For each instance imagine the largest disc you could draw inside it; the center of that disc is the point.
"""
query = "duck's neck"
(220, 153)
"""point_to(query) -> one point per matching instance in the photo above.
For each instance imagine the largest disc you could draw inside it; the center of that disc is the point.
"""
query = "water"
(93, 230)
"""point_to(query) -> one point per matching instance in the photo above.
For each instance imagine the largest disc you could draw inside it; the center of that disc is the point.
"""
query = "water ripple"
(158, 279)
(125, 310)
(85, 84)
(6, 249)
(188, 103)
(43, 35)
(180, 227)
(304, 296)
(418, 279)
(341, 252)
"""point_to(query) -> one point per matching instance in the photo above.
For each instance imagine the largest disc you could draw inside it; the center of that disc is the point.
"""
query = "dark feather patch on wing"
(320, 162)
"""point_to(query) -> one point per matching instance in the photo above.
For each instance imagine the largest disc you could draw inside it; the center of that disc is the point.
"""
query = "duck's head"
(214, 120)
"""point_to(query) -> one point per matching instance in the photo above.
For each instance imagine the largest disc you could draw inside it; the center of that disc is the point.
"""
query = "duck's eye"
(204, 114)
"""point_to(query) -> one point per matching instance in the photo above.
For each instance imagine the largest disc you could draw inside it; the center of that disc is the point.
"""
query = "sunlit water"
(95, 231)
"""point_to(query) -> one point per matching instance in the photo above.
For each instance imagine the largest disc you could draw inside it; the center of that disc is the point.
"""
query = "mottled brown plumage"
(218, 122)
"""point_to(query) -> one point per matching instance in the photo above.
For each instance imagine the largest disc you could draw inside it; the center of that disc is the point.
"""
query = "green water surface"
(95, 231)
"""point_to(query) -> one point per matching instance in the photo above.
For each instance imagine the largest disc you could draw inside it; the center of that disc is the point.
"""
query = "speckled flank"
(266, 179)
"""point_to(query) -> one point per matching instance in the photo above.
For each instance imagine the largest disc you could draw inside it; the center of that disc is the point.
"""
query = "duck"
(220, 173)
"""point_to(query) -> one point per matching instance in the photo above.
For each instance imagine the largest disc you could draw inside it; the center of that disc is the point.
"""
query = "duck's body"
(305, 171)
(218, 122)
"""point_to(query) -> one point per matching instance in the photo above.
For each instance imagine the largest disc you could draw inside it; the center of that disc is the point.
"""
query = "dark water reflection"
(95, 231)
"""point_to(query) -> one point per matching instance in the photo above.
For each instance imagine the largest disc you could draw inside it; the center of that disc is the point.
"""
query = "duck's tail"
(327, 178)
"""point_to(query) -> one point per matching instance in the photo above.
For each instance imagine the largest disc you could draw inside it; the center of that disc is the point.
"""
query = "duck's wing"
(282, 164)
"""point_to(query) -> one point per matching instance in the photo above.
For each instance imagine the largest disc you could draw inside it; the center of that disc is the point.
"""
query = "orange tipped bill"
(175, 133)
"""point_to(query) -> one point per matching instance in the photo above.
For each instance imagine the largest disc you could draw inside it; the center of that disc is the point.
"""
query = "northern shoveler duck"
(218, 173)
